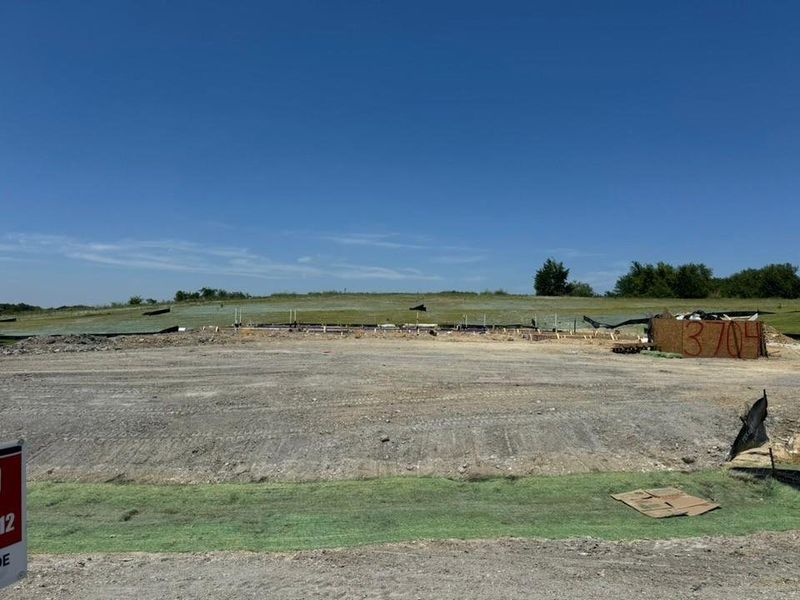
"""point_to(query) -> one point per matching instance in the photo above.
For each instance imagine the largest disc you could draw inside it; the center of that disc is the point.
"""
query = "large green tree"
(692, 281)
(551, 279)
(643, 280)
(662, 280)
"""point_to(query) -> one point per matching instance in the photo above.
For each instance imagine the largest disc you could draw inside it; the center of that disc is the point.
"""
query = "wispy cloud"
(571, 253)
(351, 271)
(458, 260)
(456, 254)
(376, 240)
(13, 259)
(190, 257)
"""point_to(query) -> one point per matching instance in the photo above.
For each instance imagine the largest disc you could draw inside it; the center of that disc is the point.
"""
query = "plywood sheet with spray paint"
(709, 339)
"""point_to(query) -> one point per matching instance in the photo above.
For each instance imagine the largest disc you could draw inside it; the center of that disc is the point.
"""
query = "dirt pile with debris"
(776, 337)
(226, 337)
(58, 343)
(98, 343)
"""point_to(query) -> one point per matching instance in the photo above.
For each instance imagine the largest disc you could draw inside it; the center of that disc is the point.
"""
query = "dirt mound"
(99, 343)
(59, 343)
(776, 337)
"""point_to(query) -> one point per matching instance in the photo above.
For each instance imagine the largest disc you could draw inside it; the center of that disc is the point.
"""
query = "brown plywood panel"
(668, 335)
(720, 339)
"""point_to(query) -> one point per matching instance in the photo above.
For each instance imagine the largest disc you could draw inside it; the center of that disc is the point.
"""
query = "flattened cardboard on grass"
(665, 502)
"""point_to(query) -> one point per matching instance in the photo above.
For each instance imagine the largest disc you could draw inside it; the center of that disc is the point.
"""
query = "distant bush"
(135, 300)
(18, 308)
(580, 289)
(75, 307)
(207, 293)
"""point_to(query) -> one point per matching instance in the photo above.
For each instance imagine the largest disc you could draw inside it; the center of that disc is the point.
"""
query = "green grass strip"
(379, 308)
(69, 517)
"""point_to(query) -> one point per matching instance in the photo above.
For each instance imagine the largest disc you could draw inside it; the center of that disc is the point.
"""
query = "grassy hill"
(336, 309)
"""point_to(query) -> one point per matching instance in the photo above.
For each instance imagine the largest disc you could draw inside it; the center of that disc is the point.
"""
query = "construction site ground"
(757, 566)
(294, 408)
(256, 406)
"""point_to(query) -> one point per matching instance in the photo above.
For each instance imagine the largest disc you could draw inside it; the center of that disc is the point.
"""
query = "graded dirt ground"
(292, 408)
(757, 566)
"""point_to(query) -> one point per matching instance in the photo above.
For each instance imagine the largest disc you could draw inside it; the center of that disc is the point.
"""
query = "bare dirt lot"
(759, 566)
(319, 407)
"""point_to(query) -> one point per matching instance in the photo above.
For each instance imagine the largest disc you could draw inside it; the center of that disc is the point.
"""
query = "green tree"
(692, 281)
(580, 289)
(135, 300)
(771, 281)
(551, 279)
(780, 281)
(647, 281)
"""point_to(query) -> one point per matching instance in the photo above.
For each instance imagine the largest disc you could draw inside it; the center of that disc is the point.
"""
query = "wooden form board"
(709, 339)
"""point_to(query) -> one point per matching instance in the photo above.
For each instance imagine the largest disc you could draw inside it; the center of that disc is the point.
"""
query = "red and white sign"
(13, 551)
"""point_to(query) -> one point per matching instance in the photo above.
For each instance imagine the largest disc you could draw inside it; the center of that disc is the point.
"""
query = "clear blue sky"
(148, 146)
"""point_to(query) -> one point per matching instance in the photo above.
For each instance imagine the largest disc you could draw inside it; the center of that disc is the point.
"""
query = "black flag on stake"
(753, 433)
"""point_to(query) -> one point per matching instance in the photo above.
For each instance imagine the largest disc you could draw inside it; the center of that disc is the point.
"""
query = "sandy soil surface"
(759, 566)
(320, 407)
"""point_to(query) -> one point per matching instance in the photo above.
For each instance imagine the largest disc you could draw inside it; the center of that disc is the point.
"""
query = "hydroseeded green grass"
(347, 309)
(68, 517)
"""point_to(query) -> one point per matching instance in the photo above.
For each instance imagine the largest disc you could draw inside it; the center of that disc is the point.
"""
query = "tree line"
(696, 280)
(663, 280)
(207, 293)
(18, 308)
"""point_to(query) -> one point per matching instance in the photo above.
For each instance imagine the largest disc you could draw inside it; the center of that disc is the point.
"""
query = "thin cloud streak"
(350, 271)
(374, 240)
(391, 241)
(571, 253)
(457, 260)
(189, 257)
